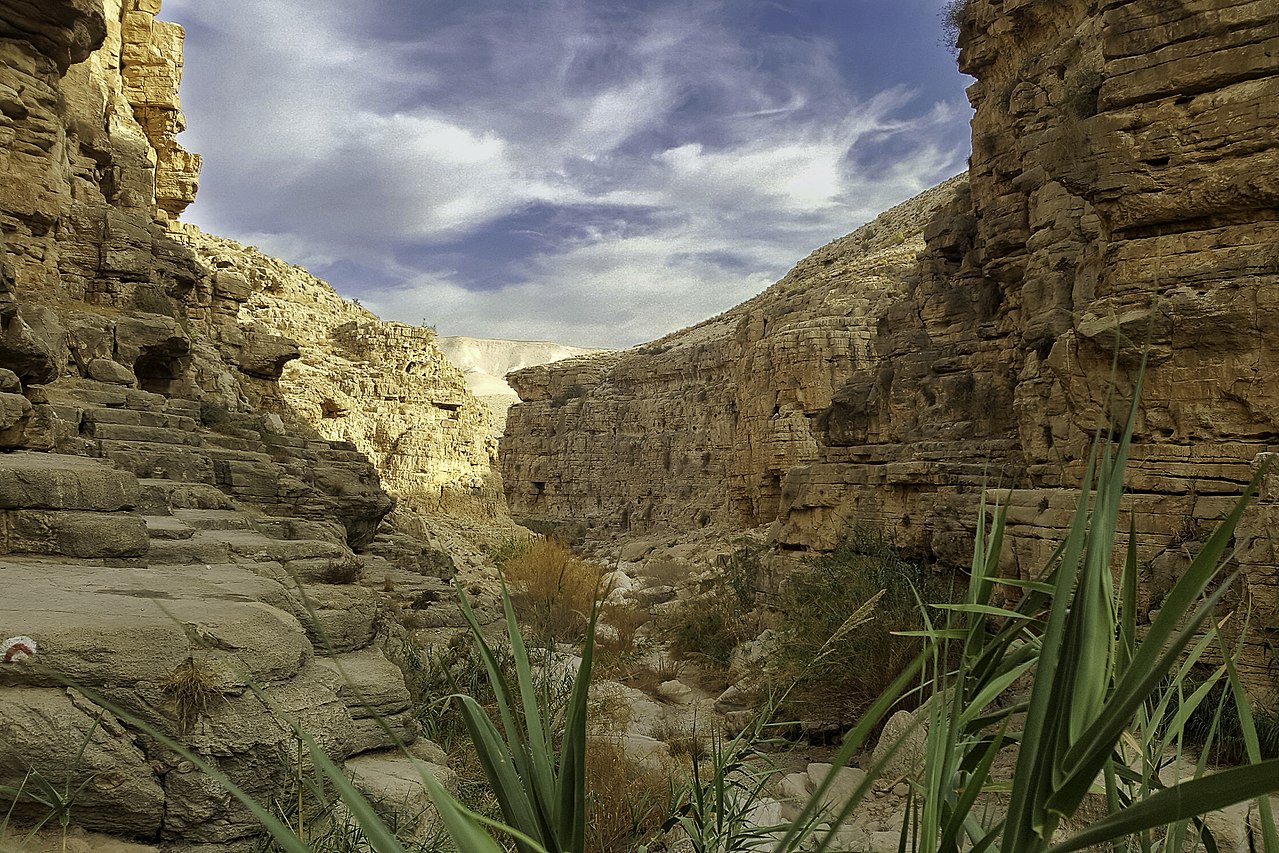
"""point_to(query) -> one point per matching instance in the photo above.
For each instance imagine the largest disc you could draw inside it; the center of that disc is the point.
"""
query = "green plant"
(1096, 687)
(542, 794)
(710, 624)
(816, 602)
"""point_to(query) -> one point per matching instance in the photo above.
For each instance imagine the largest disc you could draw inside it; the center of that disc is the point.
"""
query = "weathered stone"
(25, 352)
(74, 534)
(373, 689)
(49, 481)
(264, 355)
(393, 785)
(111, 372)
(66, 31)
(9, 382)
(75, 746)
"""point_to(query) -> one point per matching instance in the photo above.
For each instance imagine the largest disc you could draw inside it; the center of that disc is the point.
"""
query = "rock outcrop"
(384, 387)
(188, 564)
(701, 426)
(1120, 200)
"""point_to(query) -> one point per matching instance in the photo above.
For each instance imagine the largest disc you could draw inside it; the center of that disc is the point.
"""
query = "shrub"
(814, 606)
(710, 624)
(552, 589)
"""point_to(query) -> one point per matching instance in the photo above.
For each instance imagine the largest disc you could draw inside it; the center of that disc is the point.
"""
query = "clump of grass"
(814, 608)
(709, 625)
(553, 590)
(191, 686)
(683, 739)
(626, 802)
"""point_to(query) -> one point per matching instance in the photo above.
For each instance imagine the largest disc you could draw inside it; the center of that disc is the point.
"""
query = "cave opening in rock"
(157, 370)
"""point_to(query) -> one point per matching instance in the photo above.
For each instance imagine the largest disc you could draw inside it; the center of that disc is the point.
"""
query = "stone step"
(144, 434)
(214, 519)
(198, 549)
(167, 462)
(167, 527)
(163, 497)
(132, 417)
(32, 480)
(237, 444)
(73, 533)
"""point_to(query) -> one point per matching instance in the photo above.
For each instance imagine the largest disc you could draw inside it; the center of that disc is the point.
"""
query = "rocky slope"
(176, 544)
(486, 361)
(385, 387)
(1120, 199)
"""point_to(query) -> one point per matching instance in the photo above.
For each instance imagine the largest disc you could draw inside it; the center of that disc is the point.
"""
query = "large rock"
(58, 738)
(54, 481)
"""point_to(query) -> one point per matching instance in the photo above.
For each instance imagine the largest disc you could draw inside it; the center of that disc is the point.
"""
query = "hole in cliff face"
(158, 369)
(539, 488)
(1157, 161)
(1183, 100)
(332, 409)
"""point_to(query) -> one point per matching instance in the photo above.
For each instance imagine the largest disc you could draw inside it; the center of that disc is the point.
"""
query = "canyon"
(1119, 205)
(215, 470)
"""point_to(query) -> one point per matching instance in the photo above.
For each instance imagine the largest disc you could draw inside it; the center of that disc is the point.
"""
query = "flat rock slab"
(125, 630)
(73, 534)
(31, 480)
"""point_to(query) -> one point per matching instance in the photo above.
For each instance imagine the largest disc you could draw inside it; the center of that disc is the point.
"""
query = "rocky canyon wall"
(700, 427)
(1121, 199)
(170, 544)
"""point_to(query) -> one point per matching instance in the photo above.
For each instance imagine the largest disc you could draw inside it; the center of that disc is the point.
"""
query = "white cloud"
(330, 143)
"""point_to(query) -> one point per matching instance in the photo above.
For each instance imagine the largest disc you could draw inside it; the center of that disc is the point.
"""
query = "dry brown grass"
(552, 589)
(626, 801)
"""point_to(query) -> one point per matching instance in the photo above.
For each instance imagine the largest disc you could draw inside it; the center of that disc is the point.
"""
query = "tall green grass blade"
(375, 830)
(1248, 725)
(1179, 802)
(460, 823)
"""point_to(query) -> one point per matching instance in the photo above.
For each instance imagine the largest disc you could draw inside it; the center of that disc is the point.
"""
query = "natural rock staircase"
(148, 546)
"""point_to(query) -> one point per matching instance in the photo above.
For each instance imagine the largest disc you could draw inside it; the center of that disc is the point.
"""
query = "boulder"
(908, 759)
(58, 738)
(9, 382)
(110, 372)
(46, 481)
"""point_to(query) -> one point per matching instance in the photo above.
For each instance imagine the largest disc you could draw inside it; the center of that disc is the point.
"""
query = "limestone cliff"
(175, 549)
(701, 426)
(1121, 198)
(384, 387)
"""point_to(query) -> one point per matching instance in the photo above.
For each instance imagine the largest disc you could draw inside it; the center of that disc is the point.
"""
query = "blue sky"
(596, 172)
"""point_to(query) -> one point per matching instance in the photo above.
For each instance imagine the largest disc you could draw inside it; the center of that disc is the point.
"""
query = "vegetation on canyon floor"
(1037, 698)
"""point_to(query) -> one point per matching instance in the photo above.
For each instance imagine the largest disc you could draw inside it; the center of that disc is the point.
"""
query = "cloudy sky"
(596, 172)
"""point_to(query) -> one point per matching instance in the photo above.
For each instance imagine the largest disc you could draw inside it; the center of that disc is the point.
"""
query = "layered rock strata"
(384, 387)
(188, 564)
(1120, 201)
(702, 426)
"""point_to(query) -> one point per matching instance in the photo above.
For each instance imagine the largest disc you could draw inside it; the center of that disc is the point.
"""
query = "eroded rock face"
(179, 553)
(701, 427)
(384, 387)
(1120, 201)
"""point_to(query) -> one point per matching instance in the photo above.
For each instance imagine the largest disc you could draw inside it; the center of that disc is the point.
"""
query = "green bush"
(813, 610)
(709, 625)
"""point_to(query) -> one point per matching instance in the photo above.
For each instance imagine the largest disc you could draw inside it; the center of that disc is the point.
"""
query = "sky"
(593, 172)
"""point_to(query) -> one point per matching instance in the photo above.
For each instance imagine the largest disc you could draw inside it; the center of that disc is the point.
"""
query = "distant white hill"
(487, 361)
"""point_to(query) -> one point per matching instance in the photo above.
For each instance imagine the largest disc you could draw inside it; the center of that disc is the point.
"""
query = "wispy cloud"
(392, 152)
